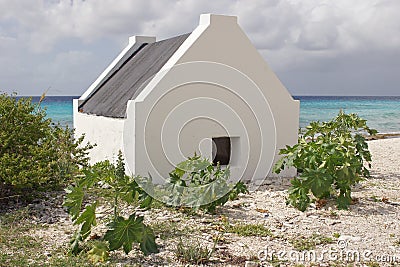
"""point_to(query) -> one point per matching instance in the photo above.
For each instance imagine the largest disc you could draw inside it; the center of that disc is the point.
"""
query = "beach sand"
(385, 157)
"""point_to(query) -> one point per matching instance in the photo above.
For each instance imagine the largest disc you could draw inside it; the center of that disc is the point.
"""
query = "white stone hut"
(208, 91)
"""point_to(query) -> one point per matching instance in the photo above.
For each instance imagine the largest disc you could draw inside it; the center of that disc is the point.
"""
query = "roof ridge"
(129, 77)
(114, 70)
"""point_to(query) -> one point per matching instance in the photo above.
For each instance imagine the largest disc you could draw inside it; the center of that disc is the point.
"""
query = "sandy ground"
(370, 229)
(366, 234)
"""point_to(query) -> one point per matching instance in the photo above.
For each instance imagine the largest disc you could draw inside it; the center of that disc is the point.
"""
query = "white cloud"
(291, 34)
(271, 24)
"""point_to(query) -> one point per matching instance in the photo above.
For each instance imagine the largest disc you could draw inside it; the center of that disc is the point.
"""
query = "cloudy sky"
(316, 47)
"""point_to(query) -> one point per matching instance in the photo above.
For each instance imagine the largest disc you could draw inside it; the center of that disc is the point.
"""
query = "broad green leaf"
(298, 199)
(148, 244)
(88, 218)
(124, 232)
(145, 200)
(343, 202)
(319, 182)
(73, 201)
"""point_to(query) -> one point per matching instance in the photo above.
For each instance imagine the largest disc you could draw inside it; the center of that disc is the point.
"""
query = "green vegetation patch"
(330, 158)
(34, 152)
(243, 229)
(308, 243)
(192, 252)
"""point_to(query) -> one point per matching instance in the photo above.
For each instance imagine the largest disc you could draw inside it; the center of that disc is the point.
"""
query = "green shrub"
(330, 157)
(107, 185)
(197, 184)
(33, 151)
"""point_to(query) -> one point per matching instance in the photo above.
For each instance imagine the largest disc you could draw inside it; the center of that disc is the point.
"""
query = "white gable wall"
(219, 62)
(225, 42)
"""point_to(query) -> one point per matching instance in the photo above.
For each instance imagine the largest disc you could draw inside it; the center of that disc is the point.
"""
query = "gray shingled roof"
(129, 77)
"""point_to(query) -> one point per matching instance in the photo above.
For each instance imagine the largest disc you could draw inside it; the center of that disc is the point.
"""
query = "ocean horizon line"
(306, 95)
(293, 95)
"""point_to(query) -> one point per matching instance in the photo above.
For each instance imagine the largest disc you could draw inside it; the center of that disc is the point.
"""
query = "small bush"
(197, 184)
(33, 151)
(330, 157)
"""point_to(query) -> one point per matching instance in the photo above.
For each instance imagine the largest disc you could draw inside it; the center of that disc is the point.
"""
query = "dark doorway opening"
(221, 150)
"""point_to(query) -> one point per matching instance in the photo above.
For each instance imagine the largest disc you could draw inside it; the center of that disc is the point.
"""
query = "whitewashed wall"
(216, 63)
(105, 132)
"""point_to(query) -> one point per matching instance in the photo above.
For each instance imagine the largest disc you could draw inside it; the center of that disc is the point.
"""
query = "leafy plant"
(116, 187)
(330, 157)
(196, 183)
(33, 151)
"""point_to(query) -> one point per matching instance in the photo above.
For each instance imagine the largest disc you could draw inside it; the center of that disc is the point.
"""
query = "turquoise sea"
(381, 112)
